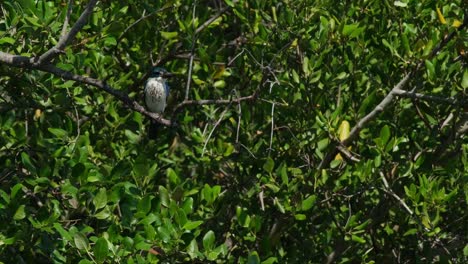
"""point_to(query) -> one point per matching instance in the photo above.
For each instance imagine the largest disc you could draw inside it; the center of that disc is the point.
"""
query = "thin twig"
(65, 39)
(212, 130)
(388, 190)
(189, 75)
(67, 18)
(214, 101)
(272, 126)
(239, 119)
(143, 17)
(347, 154)
(192, 50)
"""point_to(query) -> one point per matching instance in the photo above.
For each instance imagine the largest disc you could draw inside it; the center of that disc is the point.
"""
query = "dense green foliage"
(237, 182)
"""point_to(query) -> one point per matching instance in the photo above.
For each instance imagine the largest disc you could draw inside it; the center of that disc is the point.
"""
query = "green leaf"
(101, 249)
(219, 84)
(358, 239)
(144, 205)
(173, 176)
(192, 225)
(110, 41)
(464, 82)
(389, 46)
(282, 171)
(253, 258)
(164, 196)
(59, 133)
(164, 233)
(305, 66)
(270, 260)
(103, 214)
(27, 162)
(322, 144)
(81, 242)
(208, 240)
(15, 189)
(384, 135)
(64, 233)
(192, 249)
(430, 69)
(308, 202)
(7, 40)
(19, 214)
(168, 35)
(352, 30)
(100, 200)
(273, 187)
(300, 217)
(400, 4)
(410, 232)
(269, 165)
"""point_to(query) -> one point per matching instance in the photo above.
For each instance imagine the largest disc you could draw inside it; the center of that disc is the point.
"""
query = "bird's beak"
(167, 75)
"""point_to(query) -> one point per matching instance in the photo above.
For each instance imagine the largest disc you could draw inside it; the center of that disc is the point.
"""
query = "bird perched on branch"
(156, 94)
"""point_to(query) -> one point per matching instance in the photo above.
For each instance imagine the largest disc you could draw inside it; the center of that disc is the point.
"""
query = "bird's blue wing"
(167, 88)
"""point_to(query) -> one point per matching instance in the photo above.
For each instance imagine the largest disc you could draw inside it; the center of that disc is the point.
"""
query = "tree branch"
(211, 20)
(431, 98)
(214, 101)
(361, 123)
(65, 39)
(387, 100)
(25, 62)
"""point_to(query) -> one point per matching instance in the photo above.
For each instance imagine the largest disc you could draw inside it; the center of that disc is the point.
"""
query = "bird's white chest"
(155, 95)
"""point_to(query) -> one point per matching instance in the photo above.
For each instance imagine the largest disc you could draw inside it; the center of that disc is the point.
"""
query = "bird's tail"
(153, 129)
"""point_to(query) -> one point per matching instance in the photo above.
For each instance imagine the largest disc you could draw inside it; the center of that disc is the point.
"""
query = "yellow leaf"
(338, 157)
(441, 17)
(343, 133)
(343, 130)
(219, 72)
(457, 23)
(37, 114)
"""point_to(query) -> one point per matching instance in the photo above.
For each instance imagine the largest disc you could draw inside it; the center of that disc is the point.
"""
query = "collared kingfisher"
(156, 94)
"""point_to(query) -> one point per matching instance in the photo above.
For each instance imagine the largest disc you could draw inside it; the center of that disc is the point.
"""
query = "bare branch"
(407, 94)
(214, 101)
(65, 39)
(392, 193)
(189, 75)
(212, 130)
(462, 126)
(194, 38)
(25, 62)
(67, 19)
(361, 123)
(347, 154)
(211, 20)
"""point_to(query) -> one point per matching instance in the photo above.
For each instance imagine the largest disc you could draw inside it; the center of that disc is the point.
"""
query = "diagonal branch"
(65, 39)
(361, 123)
(25, 62)
(387, 100)
(211, 20)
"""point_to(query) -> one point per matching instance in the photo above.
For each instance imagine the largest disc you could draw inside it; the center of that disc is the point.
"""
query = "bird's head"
(160, 72)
